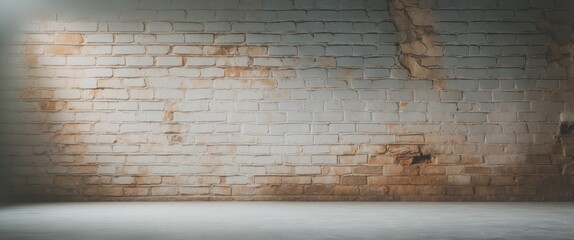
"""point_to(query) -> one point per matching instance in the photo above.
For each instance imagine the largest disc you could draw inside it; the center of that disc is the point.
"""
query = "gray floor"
(286, 220)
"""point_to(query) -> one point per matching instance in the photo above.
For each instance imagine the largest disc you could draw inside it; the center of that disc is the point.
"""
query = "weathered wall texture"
(294, 100)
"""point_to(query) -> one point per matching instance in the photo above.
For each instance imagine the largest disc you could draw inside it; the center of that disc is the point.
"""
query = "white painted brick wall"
(288, 98)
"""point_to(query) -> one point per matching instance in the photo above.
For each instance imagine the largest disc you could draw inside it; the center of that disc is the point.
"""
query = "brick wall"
(292, 100)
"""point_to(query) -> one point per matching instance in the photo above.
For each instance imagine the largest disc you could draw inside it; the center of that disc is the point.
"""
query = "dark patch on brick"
(409, 154)
(423, 158)
(567, 128)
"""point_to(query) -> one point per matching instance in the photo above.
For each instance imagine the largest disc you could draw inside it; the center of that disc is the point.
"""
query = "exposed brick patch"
(414, 23)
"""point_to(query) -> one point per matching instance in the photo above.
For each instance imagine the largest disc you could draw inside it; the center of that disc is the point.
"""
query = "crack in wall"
(414, 23)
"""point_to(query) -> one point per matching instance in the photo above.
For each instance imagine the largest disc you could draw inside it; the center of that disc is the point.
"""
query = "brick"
(354, 180)
(282, 50)
(139, 61)
(451, 27)
(82, 27)
(115, 94)
(248, 27)
(169, 61)
(184, 72)
(353, 159)
(307, 170)
(99, 38)
(98, 73)
(144, 38)
(339, 50)
(128, 50)
(69, 38)
(126, 27)
(500, 138)
(202, 15)
(81, 61)
(212, 72)
(171, 15)
(501, 117)
(230, 38)
(532, 116)
(200, 61)
(132, 14)
(164, 191)
(507, 96)
(171, 38)
(312, 73)
(477, 96)
(52, 61)
(159, 27)
(199, 38)
(262, 38)
(470, 117)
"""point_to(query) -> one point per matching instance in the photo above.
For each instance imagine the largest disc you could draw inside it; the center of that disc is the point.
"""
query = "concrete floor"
(287, 220)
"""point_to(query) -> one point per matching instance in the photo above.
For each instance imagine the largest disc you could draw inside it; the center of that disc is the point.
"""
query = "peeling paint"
(414, 23)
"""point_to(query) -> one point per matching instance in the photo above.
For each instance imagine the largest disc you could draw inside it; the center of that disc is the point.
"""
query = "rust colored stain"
(278, 94)
(245, 83)
(34, 49)
(440, 84)
(246, 72)
(168, 116)
(64, 139)
(72, 128)
(169, 111)
(75, 149)
(269, 83)
(52, 105)
(36, 94)
(62, 50)
(31, 60)
(348, 73)
(351, 150)
(253, 51)
(68, 38)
